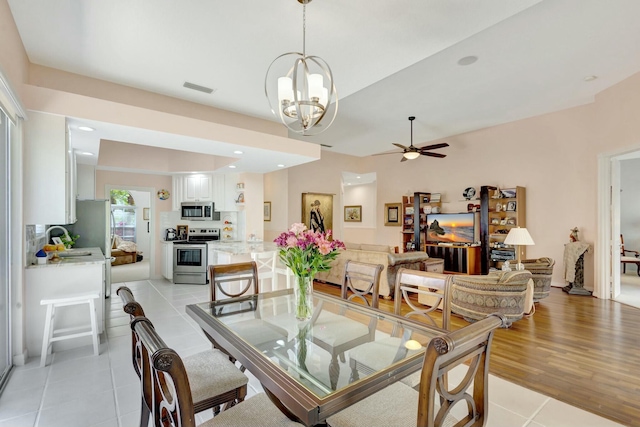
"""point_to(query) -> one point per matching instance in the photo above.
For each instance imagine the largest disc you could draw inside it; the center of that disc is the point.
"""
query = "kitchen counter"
(82, 275)
(241, 247)
(96, 257)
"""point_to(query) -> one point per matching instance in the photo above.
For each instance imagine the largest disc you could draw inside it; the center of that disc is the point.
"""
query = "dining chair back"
(233, 280)
(165, 378)
(266, 265)
(468, 349)
(435, 289)
(360, 280)
(199, 367)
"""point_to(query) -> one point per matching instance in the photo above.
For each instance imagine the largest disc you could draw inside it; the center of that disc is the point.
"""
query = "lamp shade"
(519, 236)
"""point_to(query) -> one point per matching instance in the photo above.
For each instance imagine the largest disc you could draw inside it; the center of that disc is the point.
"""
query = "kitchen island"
(68, 276)
(231, 252)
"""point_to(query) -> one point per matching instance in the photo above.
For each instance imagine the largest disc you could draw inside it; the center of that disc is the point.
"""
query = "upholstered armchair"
(541, 270)
(509, 293)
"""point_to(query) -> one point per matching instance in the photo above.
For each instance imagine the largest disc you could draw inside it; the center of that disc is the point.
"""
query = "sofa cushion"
(376, 248)
(352, 246)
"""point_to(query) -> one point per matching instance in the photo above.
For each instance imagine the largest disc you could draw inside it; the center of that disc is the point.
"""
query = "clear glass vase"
(303, 295)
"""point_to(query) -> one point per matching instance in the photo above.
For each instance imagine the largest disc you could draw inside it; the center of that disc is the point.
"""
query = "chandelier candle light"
(306, 252)
(305, 93)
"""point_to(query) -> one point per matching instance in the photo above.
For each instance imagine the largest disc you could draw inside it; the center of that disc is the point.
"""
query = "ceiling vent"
(325, 145)
(197, 87)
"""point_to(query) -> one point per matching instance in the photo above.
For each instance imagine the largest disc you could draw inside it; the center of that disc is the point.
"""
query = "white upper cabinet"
(49, 171)
(198, 188)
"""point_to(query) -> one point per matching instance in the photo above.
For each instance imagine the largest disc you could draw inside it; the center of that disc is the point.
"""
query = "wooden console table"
(457, 259)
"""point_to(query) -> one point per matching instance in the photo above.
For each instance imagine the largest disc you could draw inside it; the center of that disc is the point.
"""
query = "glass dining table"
(312, 370)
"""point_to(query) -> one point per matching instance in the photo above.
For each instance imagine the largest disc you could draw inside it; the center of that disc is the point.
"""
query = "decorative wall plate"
(163, 194)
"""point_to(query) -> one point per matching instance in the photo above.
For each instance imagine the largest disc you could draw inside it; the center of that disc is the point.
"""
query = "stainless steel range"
(190, 257)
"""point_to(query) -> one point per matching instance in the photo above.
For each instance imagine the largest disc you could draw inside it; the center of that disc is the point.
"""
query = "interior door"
(616, 244)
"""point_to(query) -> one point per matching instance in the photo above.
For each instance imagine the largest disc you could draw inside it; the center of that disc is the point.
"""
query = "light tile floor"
(79, 389)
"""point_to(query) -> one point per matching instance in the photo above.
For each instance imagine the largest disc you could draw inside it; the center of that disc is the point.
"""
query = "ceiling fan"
(412, 152)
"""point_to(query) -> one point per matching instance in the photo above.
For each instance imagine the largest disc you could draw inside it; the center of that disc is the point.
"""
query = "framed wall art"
(317, 211)
(267, 211)
(392, 214)
(353, 213)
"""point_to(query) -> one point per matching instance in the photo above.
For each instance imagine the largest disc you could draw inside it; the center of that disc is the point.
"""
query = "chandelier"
(301, 89)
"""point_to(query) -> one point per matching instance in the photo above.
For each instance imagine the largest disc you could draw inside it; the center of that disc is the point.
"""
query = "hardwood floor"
(580, 350)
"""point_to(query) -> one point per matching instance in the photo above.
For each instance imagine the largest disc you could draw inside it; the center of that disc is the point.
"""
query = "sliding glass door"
(5, 336)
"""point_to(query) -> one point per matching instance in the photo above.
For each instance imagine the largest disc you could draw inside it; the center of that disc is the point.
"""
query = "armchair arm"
(635, 253)
(407, 257)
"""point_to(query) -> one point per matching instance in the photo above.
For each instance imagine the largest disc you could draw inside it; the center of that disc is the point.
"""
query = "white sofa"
(374, 254)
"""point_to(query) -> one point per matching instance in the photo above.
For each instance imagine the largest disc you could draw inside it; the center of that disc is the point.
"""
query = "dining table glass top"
(344, 343)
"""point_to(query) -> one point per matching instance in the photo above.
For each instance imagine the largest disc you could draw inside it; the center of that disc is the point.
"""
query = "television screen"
(450, 228)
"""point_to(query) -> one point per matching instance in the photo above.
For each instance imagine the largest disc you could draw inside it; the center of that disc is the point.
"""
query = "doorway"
(614, 175)
(133, 209)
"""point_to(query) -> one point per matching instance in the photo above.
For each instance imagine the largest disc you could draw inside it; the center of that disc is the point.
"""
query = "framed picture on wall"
(317, 211)
(267, 211)
(392, 214)
(353, 213)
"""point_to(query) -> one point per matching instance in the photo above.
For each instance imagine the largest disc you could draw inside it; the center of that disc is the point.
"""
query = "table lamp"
(518, 236)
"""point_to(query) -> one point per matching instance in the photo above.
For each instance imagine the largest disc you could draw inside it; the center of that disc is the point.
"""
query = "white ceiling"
(390, 59)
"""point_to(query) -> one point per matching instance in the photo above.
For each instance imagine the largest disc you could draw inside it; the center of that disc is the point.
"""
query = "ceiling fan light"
(411, 155)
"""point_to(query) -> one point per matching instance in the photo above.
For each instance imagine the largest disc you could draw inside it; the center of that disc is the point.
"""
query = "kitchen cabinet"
(50, 171)
(197, 188)
(167, 260)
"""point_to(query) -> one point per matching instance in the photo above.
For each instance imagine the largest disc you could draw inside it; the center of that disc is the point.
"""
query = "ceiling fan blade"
(382, 154)
(403, 159)
(433, 154)
(434, 146)
(400, 146)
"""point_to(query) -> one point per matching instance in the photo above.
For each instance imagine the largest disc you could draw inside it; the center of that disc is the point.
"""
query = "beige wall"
(14, 62)
(276, 191)
(554, 156)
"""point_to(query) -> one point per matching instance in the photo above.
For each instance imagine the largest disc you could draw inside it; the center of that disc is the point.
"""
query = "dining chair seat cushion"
(212, 364)
(366, 413)
(254, 411)
(258, 332)
(326, 326)
(379, 355)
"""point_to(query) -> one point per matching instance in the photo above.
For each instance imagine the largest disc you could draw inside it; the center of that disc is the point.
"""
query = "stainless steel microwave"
(198, 211)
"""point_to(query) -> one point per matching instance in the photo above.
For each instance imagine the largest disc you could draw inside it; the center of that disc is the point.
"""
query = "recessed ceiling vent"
(197, 87)
(325, 145)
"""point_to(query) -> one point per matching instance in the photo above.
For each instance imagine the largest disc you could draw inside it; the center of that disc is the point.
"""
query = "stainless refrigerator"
(95, 226)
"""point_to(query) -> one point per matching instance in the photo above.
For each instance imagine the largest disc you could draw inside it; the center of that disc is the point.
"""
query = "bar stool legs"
(49, 336)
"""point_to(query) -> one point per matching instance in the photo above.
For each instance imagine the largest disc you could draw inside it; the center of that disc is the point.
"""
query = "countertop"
(242, 247)
(96, 257)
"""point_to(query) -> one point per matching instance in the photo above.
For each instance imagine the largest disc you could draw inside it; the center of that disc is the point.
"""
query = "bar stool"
(48, 338)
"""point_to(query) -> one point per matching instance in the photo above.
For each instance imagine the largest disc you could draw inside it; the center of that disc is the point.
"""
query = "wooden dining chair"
(233, 280)
(165, 379)
(435, 290)
(468, 349)
(626, 259)
(230, 389)
(240, 279)
(336, 333)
